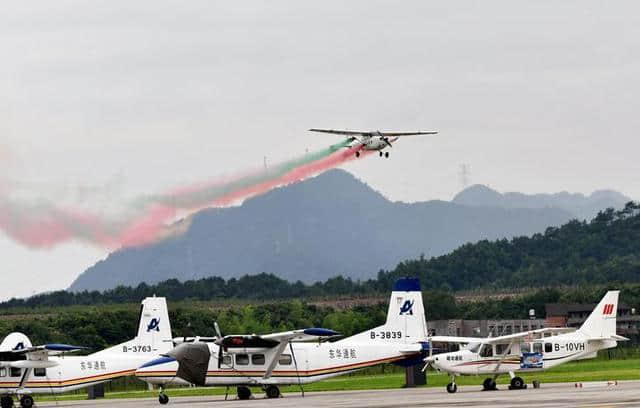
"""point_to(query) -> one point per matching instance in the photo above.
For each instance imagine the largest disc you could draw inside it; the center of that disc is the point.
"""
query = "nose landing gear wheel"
(163, 398)
(489, 384)
(357, 154)
(517, 383)
(244, 393)
(26, 401)
(272, 391)
(6, 402)
(452, 388)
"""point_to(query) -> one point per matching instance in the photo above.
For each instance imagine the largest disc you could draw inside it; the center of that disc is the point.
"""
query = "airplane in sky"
(529, 351)
(372, 140)
(297, 357)
(23, 374)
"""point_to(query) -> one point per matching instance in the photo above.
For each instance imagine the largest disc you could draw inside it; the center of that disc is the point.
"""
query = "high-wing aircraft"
(530, 351)
(297, 357)
(27, 370)
(372, 140)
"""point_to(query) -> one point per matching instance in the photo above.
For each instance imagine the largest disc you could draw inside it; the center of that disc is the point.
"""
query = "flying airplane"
(529, 351)
(27, 370)
(373, 140)
(297, 357)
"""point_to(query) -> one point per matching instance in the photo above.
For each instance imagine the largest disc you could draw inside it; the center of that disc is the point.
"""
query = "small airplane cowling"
(193, 360)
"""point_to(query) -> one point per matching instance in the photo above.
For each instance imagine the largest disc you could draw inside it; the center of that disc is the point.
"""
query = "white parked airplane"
(268, 361)
(37, 372)
(373, 140)
(529, 351)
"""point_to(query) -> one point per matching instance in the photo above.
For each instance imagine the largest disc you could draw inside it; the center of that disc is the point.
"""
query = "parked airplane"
(271, 360)
(373, 140)
(529, 351)
(23, 374)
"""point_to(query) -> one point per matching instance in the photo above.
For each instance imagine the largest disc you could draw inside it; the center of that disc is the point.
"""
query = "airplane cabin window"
(242, 359)
(525, 348)
(537, 347)
(226, 360)
(15, 372)
(548, 347)
(474, 347)
(285, 359)
(257, 359)
(501, 348)
(40, 372)
(486, 350)
(3, 372)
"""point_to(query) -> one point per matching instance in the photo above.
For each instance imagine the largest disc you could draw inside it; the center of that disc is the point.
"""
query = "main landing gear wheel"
(489, 384)
(272, 391)
(380, 153)
(517, 383)
(163, 398)
(386, 154)
(6, 402)
(26, 401)
(244, 393)
(452, 388)
(357, 154)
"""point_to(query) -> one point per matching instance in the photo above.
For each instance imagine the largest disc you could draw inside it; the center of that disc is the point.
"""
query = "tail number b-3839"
(386, 335)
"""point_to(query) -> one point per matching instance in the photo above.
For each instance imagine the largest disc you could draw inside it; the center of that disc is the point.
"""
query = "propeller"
(386, 140)
(429, 360)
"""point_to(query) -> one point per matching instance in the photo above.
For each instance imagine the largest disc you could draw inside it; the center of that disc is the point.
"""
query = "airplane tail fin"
(154, 331)
(601, 323)
(15, 341)
(406, 322)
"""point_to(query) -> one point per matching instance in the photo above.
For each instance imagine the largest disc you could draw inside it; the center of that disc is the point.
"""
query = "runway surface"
(625, 394)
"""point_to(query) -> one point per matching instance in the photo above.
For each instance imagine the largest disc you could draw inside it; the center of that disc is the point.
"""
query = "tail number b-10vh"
(569, 347)
(386, 335)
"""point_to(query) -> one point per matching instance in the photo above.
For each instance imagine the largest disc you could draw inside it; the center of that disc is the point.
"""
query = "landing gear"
(26, 401)
(272, 391)
(452, 388)
(386, 154)
(244, 393)
(163, 398)
(380, 152)
(6, 401)
(489, 384)
(517, 383)
(357, 154)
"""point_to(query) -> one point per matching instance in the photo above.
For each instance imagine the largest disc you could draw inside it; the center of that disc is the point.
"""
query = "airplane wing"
(501, 339)
(376, 133)
(36, 356)
(301, 335)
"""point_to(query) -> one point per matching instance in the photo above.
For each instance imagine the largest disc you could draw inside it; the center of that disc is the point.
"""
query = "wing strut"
(295, 362)
(272, 364)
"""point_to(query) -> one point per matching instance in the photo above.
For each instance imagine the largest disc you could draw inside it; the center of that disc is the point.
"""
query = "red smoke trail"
(44, 226)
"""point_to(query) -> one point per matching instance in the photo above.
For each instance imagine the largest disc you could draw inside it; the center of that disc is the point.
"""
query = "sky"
(105, 101)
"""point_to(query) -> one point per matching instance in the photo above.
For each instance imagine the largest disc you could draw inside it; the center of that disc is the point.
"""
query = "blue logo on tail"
(407, 308)
(19, 346)
(154, 324)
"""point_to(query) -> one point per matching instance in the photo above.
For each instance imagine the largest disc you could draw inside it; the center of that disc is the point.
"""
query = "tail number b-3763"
(137, 349)
(386, 335)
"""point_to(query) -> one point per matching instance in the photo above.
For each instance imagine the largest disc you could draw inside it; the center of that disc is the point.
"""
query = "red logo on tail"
(608, 309)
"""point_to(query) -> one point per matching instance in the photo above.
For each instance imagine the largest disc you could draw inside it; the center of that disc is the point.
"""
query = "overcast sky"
(101, 101)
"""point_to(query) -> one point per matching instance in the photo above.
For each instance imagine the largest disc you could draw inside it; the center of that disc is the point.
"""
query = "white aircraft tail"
(15, 341)
(601, 323)
(406, 321)
(154, 331)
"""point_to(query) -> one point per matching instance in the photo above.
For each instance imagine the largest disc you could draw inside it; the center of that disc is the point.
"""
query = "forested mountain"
(580, 206)
(605, 251)
(327, 226)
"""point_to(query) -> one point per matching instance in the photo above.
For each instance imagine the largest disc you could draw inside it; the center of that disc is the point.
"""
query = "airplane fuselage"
(534, 355)
(70, 373)
(309, 362)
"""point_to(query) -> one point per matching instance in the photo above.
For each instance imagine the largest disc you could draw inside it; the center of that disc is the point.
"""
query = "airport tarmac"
(625, 394)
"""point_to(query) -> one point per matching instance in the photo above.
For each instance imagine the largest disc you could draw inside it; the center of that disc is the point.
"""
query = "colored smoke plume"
(149, 219)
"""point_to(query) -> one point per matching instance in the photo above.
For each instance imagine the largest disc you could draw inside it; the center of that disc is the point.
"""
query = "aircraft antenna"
(464, 175)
